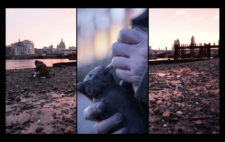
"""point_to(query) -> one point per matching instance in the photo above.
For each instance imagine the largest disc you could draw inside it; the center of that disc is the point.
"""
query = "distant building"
(192, 40)
(60, 47)
(68, 51)
(44, 53)
(51, 47)
(8, 50)
(45, 48)
(49, 50)
(72, 48)
(25, 47)
(38, 51)
(176, 42)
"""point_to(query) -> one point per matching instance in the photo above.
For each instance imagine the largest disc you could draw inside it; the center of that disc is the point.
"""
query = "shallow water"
(29, 63)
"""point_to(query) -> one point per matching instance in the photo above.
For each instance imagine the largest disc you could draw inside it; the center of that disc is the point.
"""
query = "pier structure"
(204, 50)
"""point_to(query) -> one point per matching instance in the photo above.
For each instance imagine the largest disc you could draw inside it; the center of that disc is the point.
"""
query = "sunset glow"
(167, 25)
(42, 26)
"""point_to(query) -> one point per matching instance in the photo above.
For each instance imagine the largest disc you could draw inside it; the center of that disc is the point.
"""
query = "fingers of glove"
(91, 112)
(107, 124)
(128, 76)
(81, 89)
(121, 131)
(121, 63)
(130, 36)
(124, 75)
(121, 49)
(139, 30)
(128, 86)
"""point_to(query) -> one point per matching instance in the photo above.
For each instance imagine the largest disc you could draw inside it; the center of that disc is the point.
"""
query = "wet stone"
(55, 88)
(175, 119)
(68, 129)
(152, 102)
(166, 114)
(17, 99)
(213, 111)
(39, 129)
(29, 106)
(206, 125)
(180, 130)
(198, 123)
(179, 112)
(168, 119)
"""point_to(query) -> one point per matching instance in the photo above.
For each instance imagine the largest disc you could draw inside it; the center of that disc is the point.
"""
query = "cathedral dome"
(62, 42)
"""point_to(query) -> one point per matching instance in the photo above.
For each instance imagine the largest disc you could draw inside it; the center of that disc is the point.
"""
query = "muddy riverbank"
(184, 98)
(44, 106)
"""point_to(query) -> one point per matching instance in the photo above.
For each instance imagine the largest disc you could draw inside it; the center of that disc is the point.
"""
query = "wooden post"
(201, 52)
(175, 51)
(208, 51)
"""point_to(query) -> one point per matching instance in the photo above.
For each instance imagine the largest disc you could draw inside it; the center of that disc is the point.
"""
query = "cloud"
(180, 13)
(217, 16)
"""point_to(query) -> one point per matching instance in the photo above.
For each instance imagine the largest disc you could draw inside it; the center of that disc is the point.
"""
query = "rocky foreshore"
(184, 98)
(41, 106)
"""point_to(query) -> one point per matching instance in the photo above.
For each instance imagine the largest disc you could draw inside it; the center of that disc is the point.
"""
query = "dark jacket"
(42, 68)
(142, 91)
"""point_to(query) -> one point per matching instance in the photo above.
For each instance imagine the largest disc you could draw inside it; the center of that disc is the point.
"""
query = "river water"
(160, 59)
(29, 63)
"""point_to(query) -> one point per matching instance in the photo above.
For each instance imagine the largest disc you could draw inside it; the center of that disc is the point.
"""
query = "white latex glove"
(130, 55)
(102, 127)
(93, 111)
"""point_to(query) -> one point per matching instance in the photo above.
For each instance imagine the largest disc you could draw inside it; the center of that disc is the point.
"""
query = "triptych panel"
(112, 71)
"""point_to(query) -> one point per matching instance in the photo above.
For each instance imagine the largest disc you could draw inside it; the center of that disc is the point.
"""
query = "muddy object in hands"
(101, 86)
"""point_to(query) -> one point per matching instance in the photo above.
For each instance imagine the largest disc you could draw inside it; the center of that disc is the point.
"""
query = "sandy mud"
(184, 98)
(41, 106)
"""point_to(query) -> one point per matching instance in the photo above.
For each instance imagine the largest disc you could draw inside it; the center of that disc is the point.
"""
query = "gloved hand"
(91, 113)
(130, 55)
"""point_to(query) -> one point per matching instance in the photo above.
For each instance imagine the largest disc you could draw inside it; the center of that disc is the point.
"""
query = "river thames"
(29, 63)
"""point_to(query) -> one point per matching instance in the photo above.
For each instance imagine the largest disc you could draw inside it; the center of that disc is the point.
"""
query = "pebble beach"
(41, 106)
(184, 98)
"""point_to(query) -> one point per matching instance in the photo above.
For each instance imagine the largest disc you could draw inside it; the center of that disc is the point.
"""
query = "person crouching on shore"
(41, 70)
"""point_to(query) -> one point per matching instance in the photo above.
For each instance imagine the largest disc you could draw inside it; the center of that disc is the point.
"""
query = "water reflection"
(29, 63)
(158, 59)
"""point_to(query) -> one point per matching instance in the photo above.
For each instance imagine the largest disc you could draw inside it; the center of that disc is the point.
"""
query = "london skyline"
(42, 26)
(169, 24)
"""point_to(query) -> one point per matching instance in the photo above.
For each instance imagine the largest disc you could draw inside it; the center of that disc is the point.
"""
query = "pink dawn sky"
(169, 24)
(43, 26)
